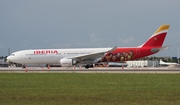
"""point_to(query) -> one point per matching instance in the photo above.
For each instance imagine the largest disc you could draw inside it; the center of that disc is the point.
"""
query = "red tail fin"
(157, 39)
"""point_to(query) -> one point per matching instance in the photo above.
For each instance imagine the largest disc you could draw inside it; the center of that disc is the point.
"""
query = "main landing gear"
(89, 66)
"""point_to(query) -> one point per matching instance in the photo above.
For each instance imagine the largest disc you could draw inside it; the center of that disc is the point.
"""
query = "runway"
(91, 70)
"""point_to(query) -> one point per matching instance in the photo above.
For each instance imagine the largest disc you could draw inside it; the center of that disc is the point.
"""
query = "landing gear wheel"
(87, 66)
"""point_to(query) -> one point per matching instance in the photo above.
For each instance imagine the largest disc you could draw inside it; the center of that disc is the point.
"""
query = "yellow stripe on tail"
(162, 28)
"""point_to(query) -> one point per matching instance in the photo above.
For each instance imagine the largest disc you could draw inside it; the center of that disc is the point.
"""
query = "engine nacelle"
(67, 62)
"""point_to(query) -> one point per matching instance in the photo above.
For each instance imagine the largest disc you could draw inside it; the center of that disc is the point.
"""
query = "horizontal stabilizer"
(163, 48)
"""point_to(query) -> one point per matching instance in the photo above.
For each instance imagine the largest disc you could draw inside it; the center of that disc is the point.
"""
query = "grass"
(89, 89)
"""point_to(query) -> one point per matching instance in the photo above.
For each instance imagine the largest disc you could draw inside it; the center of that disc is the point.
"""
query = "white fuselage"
(48, 56)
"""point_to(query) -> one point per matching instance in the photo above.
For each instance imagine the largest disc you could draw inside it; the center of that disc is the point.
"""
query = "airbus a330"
(89, 56)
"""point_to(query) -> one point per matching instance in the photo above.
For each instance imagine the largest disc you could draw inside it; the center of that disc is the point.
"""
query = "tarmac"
(155, 70)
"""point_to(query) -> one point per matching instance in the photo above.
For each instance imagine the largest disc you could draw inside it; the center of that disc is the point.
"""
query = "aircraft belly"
(40, 60)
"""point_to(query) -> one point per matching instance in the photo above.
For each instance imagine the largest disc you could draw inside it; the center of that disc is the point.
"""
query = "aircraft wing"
(91, 56)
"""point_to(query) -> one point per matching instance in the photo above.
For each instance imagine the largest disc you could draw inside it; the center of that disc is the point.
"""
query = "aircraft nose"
(8, 59)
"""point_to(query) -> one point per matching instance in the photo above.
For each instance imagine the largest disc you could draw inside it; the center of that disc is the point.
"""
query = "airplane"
(90, 56)
(166, 63)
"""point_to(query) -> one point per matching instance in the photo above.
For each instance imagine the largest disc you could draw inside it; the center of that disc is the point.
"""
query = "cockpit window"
(12, 54)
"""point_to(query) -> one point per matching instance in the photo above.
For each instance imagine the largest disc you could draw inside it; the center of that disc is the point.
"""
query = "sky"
(37, 24)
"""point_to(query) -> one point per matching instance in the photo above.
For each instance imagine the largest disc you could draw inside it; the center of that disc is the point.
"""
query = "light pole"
(8, 51)
(178, 56)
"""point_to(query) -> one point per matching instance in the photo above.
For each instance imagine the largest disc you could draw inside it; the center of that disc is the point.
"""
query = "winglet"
(114, 48)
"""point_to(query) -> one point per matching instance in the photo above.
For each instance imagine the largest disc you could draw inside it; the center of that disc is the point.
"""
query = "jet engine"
(67, 62)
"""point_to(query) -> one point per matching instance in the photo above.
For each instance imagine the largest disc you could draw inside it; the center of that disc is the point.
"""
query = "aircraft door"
(138, 51)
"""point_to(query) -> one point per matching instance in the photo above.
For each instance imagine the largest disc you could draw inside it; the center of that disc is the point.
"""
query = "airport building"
(143, 63)
(3, 62)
